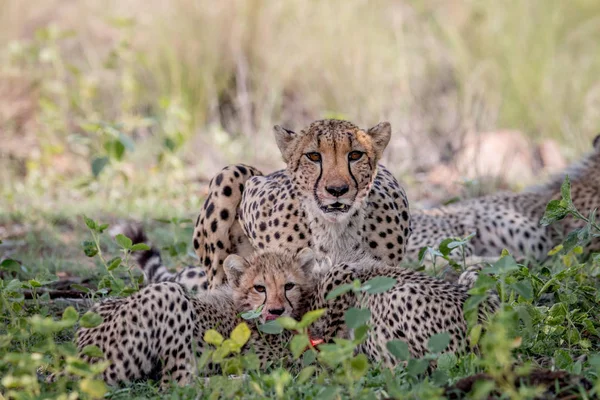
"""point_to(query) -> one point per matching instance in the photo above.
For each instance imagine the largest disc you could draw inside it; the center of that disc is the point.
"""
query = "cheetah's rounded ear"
(283, 137)
(596, 143)
(381, 134)
(234, 268)
(306, 259)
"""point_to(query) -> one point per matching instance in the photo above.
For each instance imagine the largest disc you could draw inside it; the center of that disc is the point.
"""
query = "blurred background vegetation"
(131, 106)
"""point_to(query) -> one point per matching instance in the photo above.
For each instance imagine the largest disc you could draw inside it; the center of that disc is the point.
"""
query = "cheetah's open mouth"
(335, 207)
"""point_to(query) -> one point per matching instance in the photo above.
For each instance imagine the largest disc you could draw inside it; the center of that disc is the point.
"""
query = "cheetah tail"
(149, 261)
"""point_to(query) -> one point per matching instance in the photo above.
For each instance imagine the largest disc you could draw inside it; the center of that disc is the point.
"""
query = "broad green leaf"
(356, 317)
(70, 314)
(213, 337)
(241, 334)
(556, 249)
(114, 263)
(34, 284)
(309, 357)
(503, 266)
(378, 284)
(90, 320)
(123, 241)
(573, 336)
(557, 314)
(555, 211)
(288, 323)
(524, 289)
(329, 393)
(271, 327)
(10, 265)
(115, 149)
(251, 362)
(399, 349)
(98, 164)
(305, 374)
(565, 191)
(439, 342)
(338, 291)
(90, 223)
(570, 242)
(446, 361)
(359, 366)
(102, 228)
(416, 367)
(562, 359)
(94, 388)
(232, 366)
(140, 247)
(298, 345)
(13, 285)
(89, 248)
(360, 333)
(310, 317)
(252, 314)
(445, 247)
(92, 351)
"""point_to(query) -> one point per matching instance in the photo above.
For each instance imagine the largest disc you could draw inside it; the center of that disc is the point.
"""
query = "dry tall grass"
(216, 76)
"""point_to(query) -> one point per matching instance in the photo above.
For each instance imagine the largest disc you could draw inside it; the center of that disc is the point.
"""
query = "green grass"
(549, 318)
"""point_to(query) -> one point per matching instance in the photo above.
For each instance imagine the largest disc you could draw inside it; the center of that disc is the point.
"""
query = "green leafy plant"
(92, 248)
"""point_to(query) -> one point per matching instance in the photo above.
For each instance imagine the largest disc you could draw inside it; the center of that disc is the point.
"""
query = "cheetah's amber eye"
(314, 156)
(355, 155)
(260, 288)
(289, 286)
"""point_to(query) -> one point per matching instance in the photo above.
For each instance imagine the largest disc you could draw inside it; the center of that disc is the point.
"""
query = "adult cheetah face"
(279, 282)
(333, 163)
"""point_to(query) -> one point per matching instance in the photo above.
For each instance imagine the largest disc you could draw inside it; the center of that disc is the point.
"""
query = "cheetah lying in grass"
(158, 331)
(332, 173)
(512, 220)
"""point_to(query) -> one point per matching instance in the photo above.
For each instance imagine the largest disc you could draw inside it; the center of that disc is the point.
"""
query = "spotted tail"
(151, 264)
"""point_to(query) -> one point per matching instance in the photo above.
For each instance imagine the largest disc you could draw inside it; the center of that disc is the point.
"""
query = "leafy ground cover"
(549, 319)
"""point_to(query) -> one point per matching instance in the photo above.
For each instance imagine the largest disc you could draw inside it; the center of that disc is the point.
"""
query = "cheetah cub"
(158, 332)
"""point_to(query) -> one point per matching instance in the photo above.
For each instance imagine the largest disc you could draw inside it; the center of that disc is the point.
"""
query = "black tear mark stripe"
(348, 161)
(317, 183)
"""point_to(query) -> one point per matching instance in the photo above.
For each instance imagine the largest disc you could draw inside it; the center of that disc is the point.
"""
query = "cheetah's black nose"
(276, 311)
(337, 191)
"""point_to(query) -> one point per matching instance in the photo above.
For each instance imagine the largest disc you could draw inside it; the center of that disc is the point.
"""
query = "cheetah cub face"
(279, 282)
(333, 164)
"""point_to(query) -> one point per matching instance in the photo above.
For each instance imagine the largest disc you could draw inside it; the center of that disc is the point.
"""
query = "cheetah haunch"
(511, 220)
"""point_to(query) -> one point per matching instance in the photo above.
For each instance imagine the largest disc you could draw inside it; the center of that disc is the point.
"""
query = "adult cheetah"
(332, 173)
(511, 220)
